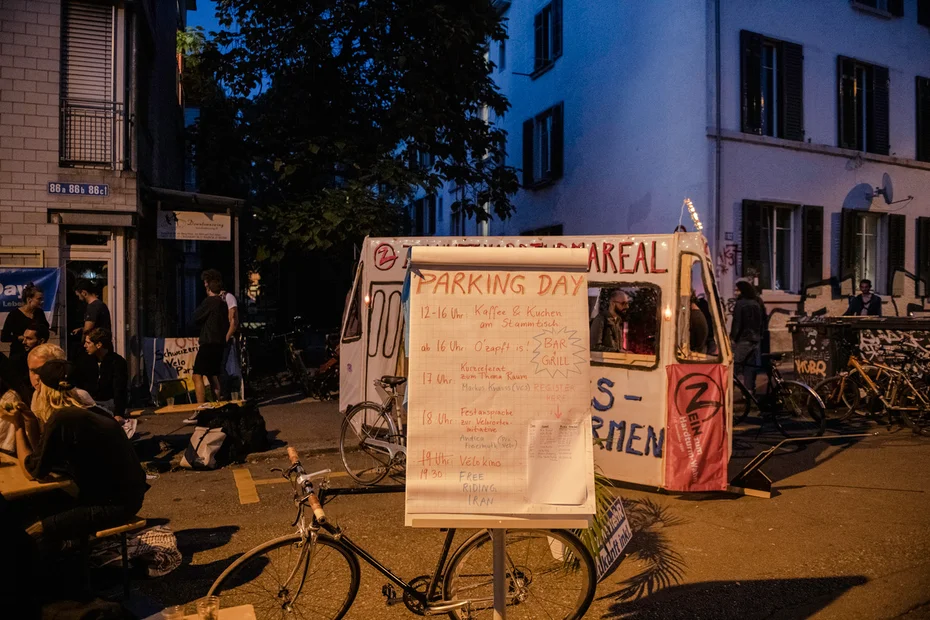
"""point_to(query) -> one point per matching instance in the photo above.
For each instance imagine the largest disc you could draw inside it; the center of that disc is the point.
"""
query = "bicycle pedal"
(389, 593)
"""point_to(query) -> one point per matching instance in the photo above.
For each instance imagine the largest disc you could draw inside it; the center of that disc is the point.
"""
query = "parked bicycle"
(315, 571)
(794, 407)
(374, 436)
(875, 388)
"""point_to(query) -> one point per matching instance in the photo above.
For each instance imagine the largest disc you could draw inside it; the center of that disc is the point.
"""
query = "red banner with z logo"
(696, 429)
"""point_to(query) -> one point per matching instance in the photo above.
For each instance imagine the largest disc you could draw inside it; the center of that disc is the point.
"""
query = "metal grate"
(92, 133)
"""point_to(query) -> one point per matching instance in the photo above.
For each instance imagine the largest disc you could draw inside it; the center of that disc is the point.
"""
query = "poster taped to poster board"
(498, 414)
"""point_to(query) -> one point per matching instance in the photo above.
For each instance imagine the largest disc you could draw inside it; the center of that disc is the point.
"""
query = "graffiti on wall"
(727, 259)
(908, 350)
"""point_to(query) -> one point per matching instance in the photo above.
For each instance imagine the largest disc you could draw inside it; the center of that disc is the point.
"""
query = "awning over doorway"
(177, 200)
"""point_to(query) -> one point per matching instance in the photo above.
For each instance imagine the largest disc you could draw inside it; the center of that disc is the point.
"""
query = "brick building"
(91, 118)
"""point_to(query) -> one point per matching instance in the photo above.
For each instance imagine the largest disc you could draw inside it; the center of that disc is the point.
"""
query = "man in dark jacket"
(865, 303)
(105, 374)
(212, 316)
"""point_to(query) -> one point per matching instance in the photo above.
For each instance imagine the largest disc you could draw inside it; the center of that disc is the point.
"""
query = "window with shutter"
(896, 250)
(547, 37)
(90, 116)
(923, 118)
(863, 106)
(923, 12)
(543, 150)
(811, 245)
(923, 257)
(772, 87)
(848, 223)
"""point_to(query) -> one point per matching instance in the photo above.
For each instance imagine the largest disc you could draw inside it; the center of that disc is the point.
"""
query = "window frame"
(922, 108)
(715, 328)
(555, 147)
(870, 125)
(787, 87)
(355, 303)
(658, 335)
(547, 34)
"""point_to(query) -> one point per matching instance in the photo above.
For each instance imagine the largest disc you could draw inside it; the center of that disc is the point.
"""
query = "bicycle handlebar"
(292, 455)
(304, 482)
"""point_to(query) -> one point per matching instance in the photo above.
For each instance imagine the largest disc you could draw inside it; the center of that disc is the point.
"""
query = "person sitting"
(608, 328)
(37, 357)
(104, 373)
(60, 434)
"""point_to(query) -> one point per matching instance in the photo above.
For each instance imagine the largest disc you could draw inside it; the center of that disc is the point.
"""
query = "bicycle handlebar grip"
(314, 502)
(292, 455)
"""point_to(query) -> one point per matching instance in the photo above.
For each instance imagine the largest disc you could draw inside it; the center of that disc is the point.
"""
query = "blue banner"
(13, 280)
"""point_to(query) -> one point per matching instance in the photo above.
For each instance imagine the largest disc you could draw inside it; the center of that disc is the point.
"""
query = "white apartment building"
(777, 118)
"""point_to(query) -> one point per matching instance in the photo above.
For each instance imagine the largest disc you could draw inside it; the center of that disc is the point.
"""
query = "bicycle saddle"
(393, 381)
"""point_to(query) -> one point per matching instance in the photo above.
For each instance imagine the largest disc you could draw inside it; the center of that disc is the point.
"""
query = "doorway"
(93, 256)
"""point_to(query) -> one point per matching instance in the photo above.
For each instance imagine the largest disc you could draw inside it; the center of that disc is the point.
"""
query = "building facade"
(778, 119)
(91, 116)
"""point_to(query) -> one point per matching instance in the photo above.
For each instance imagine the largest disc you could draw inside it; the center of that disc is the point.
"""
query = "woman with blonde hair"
(92, 448)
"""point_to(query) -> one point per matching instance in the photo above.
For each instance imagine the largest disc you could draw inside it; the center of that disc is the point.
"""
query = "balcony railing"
(93, 133)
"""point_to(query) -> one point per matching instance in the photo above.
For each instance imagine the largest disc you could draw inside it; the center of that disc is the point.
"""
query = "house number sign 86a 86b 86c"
(78, 189)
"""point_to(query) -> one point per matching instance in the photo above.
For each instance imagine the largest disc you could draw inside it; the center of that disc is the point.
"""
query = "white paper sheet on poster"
(498, 385)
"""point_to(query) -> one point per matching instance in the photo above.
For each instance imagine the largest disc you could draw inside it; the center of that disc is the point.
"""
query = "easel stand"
(500, 573)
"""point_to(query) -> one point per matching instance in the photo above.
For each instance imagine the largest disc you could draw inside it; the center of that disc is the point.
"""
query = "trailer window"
(624, 324)
(352, 321)
(697, 333)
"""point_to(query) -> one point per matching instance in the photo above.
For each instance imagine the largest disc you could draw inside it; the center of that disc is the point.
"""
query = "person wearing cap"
(61, 434)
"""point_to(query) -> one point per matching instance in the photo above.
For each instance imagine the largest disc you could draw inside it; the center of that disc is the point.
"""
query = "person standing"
(232, 306)
(106, 377)
(608, 328)
(96, 314)
(21, 318)
(746, 334)
(212, 316)
(866, 303)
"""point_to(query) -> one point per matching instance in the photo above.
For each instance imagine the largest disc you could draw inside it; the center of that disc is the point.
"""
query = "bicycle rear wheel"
(915, 410)
(280, 581)
(366, 464)
(550, 574)
(798, 411)
(840, 396)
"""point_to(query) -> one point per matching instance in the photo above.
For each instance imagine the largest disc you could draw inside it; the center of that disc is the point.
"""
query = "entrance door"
(92, 255)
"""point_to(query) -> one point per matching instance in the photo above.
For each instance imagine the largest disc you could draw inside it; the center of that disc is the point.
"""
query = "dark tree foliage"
(336, 98)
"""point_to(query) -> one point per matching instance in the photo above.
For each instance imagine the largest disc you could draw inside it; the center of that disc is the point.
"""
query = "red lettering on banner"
(640, 258)
(653, 267)
(593, 258)
(623, 256)
(608, 254)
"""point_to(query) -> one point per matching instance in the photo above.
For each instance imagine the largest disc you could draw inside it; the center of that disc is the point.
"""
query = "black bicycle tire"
(820, 425)
(483, 537)
(843, 403)
(881, 378)
(342, 437)
(919, 420)
(740, 417)
(323, 539)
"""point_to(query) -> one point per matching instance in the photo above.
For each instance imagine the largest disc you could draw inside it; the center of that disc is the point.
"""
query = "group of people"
(99, 370)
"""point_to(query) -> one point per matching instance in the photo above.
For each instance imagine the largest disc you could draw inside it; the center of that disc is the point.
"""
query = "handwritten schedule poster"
(498, 408)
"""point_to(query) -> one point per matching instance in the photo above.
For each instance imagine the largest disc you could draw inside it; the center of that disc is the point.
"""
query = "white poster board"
(194, 226)
(498, 415)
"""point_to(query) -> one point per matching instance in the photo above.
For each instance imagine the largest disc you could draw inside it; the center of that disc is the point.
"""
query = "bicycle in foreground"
(314, 573)
(374, 436)
(880, 389)
(794, 407)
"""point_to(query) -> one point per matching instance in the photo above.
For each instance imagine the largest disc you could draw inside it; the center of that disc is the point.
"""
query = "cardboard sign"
(696, 437)
(169, 358)
(613, 539)
(499, 418)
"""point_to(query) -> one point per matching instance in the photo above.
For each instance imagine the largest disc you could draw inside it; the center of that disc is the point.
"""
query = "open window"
(352, 321)
(624, 321)
(697, 328)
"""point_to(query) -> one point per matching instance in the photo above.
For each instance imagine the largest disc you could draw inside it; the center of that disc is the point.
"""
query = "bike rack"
(751, 480)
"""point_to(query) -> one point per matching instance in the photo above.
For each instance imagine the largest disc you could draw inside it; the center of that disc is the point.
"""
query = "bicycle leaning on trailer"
(315, 571)
(794, 407)
(373, 440)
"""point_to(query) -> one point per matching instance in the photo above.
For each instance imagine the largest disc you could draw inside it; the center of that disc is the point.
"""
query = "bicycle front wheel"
(743, 406)
(798, 411)
(282, 579)
(550, 574)
(366, 463)
(914, 408)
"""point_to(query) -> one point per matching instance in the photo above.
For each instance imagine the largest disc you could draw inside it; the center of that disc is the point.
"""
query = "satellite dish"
(886, 190)
(859, 197)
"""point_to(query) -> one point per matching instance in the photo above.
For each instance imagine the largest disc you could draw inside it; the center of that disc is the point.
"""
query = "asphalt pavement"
(845, 535)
